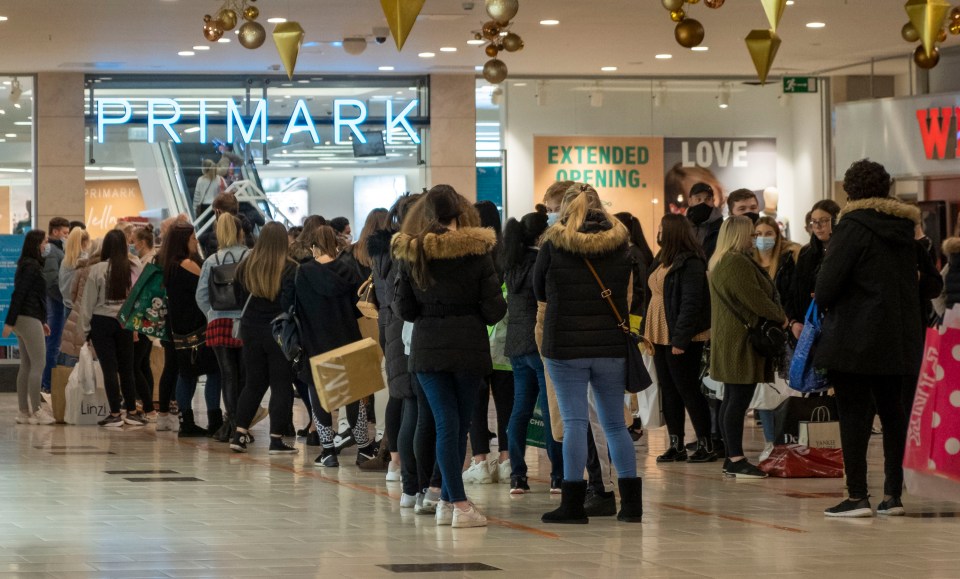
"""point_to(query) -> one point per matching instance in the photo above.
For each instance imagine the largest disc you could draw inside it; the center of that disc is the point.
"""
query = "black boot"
(189, 428)
(704, 452)
(226, 431)
(571, 505)
(600, 503)
(718, 447)
(631, 500)
(214, 422)
(676, 452)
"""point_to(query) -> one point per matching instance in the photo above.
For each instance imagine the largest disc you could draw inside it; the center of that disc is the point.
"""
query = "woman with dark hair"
(823, 218)
(448, 287)
(27, 317)
(107, 288)
(518, 255)
(266, 278)
(187, 325)
(642, 257)
(144, 251)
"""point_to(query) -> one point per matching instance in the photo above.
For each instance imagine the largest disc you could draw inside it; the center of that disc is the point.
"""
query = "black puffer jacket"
(399, 380)
(29, 292)
(686, 298)
(450, 316)
(521, 307)
(797, 300)
(578, 323)
(869, 291)
(951, 251)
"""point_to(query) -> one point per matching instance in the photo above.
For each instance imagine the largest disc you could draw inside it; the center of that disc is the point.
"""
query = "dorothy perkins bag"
(638, 379)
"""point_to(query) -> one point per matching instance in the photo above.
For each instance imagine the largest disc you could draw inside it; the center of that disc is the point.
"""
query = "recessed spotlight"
(609, 69)
(276, 20)
(11, 135)
(3, 19)
(303, 81)
(201, 47)
(476, 42)
(478, 68)
(519, 84)
(815, 25)
(186, 53)
(426, 55)
(664, 56)
(700, 48)
(224, 41)
(386, 68)
(448, 49)
(790, 2)
(549, 22)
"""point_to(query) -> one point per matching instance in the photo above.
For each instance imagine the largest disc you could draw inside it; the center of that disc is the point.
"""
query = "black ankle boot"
(214, 422)
(704, 452)
(224, 433)
(571, 505)
(189, 428)
(631, 500)
(600, 504)
(676, 452)
(718, 447)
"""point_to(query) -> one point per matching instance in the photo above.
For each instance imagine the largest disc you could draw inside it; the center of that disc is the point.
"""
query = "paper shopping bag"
(347, 374)
(58, 390)
(820, 434)
(370, 328)
(536, 430)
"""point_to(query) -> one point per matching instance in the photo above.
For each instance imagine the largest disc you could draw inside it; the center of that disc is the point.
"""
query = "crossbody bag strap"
(607, 296)
(732, 309)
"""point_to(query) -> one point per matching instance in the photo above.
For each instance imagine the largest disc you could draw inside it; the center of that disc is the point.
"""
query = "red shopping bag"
(932, 458)
(798, 461)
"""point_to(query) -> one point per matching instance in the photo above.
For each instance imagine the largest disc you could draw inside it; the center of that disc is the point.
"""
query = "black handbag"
(286, 333)
(638, 379)
(768, 337)
(194, 358)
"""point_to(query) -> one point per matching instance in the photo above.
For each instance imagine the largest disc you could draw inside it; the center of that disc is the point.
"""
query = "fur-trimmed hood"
(951, 246)
(449, 245)
(596, 237)
(885, 205)
(378, 244)
(887, 218)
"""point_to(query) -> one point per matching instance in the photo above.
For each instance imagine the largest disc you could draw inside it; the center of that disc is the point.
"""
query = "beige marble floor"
(255, 515)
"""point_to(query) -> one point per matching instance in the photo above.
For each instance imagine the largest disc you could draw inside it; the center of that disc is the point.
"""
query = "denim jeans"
(606, 376)
(768, 421)
(187, 387)
(529, 384)
(452, 397)
(56, 319)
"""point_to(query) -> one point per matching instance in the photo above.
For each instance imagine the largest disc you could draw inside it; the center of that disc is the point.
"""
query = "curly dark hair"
(865, 179)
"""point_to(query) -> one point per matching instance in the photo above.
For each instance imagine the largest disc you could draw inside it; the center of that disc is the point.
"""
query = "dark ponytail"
(115, 252)
(519, 235)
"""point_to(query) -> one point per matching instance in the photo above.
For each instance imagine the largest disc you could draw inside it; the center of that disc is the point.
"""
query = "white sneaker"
(167, 423)
(151, 417)
(467, 518)
(393, 472)
(444, 513)
(767, 450)
(43, 417)
(23, 418)
(408, 501)
(428, 506)
(46, 397)
(479, 473)
(504, 470)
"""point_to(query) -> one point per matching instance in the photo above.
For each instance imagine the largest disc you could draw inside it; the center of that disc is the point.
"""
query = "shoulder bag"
(286, 332)
(367, 304)
(637, 379)
(768, 337)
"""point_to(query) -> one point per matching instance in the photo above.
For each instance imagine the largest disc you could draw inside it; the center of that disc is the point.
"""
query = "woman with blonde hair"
(266, 279)
(736, 281)
(75, 250)
(209, 185)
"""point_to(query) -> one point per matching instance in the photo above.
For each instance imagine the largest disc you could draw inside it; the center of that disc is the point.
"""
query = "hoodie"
(708, 231)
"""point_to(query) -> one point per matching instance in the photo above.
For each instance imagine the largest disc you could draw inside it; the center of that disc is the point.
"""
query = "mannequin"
(771, 199)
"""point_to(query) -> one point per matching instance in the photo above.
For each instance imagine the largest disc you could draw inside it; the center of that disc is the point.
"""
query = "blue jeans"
(529, 383)
(187, 387)
(607, 377)
(767, 420)
(56, 319)
(452, 398)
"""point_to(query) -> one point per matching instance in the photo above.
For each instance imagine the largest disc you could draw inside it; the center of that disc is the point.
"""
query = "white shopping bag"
(86, 399)
(768, 395)
(648, 401)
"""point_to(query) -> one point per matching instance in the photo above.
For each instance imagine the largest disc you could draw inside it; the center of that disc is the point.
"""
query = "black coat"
(450, 316)
(951, 250)
(796, 301)
(521, 307)
(709, 231)
(869, 292)
(578, 322)
(326, 306)
(350, 260)
(399, 381)
(641, 271)
(29, 292)
(686, 299)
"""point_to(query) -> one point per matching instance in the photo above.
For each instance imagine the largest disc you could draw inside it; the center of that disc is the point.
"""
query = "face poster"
(626, 171)
(736, 163)
(110, 200)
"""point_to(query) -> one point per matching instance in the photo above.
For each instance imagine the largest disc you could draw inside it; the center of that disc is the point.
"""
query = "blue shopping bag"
(803, 376)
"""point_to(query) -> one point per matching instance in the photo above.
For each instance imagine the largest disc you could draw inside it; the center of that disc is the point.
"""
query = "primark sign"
(164, 115)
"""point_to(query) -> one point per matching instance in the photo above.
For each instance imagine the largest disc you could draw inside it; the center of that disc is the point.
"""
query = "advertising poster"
(626, 171)
(10, 246)
(737, 163)
(109, 200)
(291, 196)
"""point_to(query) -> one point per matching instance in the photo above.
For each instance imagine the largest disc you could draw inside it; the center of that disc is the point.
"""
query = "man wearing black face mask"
(706, 218)
(744, 202)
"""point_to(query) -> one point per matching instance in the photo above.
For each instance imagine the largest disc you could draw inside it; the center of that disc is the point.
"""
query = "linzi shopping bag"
(347, 374)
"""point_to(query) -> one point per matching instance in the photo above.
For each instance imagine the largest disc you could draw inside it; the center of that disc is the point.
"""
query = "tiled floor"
(76, 502)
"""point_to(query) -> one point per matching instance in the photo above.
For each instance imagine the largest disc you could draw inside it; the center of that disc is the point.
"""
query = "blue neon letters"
(166, 113)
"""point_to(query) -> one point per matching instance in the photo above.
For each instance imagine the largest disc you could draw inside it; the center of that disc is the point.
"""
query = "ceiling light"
(609, 69)
(224, 41)
(11, 135)
(186, 53)
(476, 42)
(815, 25)
(549, 22)
(519, 84)
(723, 97)
(448, 49)
(478, 68)
(790, 2)
(426, 55)
(16, 91)
(276, 20)
(700, 48)
(386, 68)
(354, 46)
(3, 19)
(192, 130)
(201, 47)
(664, 56)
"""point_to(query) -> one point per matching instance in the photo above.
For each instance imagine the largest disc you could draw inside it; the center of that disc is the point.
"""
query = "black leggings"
(114, 346)
(425, 444)
(142, 372)
(736, 401)
(680, 389)
(356, 416)
(168, 379)
(266, 367)
(393, 423)
(501, 383)
(229, 360)
(405, 442)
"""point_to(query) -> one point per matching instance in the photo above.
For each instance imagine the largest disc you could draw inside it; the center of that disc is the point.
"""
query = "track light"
(658, 93)
(541, 93)
(496, 97)
(723, 97)
(15, 91)
(596, 97)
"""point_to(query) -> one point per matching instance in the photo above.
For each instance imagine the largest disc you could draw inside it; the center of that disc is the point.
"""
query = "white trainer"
(479, 472)
(767, 451)
(444, 513)
(23, 418)
(393, 471)
(42, 416)
(408, 501)
(468, 518)
(504, 470)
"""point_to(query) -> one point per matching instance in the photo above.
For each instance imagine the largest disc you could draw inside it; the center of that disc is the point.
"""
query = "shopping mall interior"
(113, 111)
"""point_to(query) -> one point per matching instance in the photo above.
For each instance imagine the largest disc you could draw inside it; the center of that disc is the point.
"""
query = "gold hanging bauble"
(672, 5)
(689, 33)
(252, 35)
(207, 18)
(713, 3)
(491, 30)
(955, 14)
(495, 71)
(924, 60)
(942, 36)
(251, 13)
(955, 28)
(212, 31)
(692, 1)
(503, 11)
(512, 42)
(491, 50)
(678, 15)
(909, 33)
(228, 19)
(928, 17)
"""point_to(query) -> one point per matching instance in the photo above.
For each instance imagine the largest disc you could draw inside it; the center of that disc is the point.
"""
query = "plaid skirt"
(220, 334)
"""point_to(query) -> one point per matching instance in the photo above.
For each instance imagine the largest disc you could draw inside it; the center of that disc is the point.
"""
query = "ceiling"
(146, 35)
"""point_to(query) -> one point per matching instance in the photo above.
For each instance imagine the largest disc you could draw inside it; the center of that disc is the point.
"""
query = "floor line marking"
(730, 518)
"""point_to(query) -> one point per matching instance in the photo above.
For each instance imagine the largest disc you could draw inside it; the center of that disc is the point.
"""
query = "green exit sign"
(799, 84)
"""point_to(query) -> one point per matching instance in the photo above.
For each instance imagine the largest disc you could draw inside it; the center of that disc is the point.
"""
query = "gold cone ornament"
(774, 10)
(252, 35)
(401, 16)
(928, 17)
(763, 46)
(503, 11)
(288, 36)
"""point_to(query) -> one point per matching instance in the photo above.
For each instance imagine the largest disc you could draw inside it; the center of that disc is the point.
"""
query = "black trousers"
(231, 384)
(425, 444)
(393, 423)
(501, 384)
(114, 346)
(405, 444)
(142, 372)
(679, 380)
(266, 367)
(859, 397)
(736, 401)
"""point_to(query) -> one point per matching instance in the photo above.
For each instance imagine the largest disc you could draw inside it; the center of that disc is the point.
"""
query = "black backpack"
(225, 294)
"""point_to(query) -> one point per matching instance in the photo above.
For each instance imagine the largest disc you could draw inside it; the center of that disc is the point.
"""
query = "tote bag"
(145, 311)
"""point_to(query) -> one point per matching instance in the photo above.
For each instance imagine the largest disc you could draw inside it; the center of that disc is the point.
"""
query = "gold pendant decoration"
(288, 36)
(774, 10)
(401, 16)
(927, 17)
(763, 46)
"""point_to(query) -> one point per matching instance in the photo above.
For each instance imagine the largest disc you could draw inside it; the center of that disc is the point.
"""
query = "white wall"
(688, 109)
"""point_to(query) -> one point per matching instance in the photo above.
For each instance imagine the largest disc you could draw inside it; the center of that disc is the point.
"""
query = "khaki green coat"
(746, 287)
